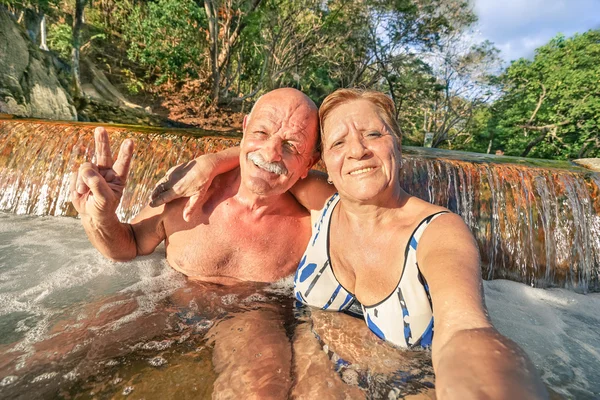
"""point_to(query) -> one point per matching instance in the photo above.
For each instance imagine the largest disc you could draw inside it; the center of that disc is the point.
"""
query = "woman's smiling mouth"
(361, 171)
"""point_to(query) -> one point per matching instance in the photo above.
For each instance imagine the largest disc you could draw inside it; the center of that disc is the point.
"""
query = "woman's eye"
(374, 134)
(337, 143)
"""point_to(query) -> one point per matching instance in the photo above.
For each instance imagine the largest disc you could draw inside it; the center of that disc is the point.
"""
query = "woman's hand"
(193, 179)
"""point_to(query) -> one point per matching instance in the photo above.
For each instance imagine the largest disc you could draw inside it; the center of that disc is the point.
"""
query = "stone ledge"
(589, 163)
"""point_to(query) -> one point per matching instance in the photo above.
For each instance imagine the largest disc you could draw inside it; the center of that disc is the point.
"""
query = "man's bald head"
(289, 101)
(280, 137)
(283, 96)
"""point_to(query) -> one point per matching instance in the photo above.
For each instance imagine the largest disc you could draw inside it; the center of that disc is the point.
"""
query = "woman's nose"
(357, 149)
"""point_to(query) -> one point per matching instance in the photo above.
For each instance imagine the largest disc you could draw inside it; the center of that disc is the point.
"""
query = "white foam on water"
(48, 266)
(8, 380)
(283, 287)
(44, 377)
(155, 345)
(157, 361)
(229, 299)
(71, 375)
(255, 298)
(557, 328)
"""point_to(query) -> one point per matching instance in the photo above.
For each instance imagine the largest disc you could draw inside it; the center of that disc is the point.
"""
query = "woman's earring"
(329, 181)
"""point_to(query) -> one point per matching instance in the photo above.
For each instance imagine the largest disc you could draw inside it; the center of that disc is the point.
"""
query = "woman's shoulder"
(437, 221)
(423, 209)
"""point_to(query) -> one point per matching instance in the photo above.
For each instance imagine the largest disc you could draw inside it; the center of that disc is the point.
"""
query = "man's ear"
(313, 160)
(244, 124)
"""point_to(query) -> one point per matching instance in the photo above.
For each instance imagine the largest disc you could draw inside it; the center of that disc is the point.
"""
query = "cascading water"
(536, 223)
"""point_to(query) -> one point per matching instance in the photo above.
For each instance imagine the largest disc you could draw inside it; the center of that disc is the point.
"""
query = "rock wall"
(29, 82)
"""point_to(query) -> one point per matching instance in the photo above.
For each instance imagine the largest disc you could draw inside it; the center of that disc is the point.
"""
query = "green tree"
(464, 84)
(550, 107)
(165, 37)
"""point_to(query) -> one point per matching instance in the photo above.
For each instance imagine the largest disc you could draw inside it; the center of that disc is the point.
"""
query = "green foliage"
(133, 84)
(165, 37)
(38, 5)
(563, 84)
(413, 50)
(60, 38)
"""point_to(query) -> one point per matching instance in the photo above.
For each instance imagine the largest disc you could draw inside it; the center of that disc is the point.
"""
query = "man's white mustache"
(273, 167)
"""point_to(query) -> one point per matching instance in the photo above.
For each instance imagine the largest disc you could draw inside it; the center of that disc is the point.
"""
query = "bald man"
(247, 227)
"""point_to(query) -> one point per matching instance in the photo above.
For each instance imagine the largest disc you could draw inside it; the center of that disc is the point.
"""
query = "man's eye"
(261, 133)
(289, 146)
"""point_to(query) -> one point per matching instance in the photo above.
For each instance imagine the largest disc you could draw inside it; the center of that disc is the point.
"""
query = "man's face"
(278, 144)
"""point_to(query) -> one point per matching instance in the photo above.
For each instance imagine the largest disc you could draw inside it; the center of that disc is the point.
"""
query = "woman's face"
(360, 151)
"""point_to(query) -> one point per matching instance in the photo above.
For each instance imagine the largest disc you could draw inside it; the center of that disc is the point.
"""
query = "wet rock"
(30, 85)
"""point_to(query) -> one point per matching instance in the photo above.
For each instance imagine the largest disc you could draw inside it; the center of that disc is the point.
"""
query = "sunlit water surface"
(74, 325)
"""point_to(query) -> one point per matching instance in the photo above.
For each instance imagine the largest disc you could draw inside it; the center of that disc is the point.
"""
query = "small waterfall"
(37, 160)
(535, 222)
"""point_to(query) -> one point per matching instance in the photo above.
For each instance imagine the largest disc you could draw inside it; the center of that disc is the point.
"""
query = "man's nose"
(272, 150)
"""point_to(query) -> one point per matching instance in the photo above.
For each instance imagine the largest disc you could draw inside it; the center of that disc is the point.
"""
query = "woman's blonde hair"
(383, 103)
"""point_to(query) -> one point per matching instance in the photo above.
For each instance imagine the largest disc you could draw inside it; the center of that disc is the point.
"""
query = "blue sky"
(518, 27)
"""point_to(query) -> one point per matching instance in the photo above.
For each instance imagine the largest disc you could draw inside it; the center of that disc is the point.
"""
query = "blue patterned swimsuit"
(404, 317)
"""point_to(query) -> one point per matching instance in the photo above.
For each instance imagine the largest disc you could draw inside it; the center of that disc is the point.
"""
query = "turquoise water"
(74, 325)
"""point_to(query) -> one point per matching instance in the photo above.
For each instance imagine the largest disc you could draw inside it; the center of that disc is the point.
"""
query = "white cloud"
(518, 27)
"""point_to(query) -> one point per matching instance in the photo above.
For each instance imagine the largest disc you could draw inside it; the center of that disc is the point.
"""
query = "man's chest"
(236, 246)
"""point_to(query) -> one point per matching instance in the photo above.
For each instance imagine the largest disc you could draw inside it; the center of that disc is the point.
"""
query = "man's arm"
(96, 191)
(192, 179)
(313, 191)
(471, 359)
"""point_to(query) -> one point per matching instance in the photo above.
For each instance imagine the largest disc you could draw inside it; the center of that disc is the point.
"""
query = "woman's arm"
(471, 359)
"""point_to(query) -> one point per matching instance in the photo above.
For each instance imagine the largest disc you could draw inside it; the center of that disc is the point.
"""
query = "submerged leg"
(252, 355)
(314, 373)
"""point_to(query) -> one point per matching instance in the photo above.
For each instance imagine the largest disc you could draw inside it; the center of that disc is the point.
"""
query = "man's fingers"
(123, 162)
(73, 193)
(192, 204)
(96, 183)
(80, 187)
(103, 154)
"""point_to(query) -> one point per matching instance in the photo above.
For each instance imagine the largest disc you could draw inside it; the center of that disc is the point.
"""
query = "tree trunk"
(77, 24)
(213, 32)
(534, 143)
(43, 44)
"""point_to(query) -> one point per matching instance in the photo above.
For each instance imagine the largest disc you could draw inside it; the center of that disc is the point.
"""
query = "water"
(536, 222)
(74, 325)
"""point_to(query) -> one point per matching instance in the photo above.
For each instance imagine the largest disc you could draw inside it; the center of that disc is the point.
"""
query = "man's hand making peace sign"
(96, 190)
